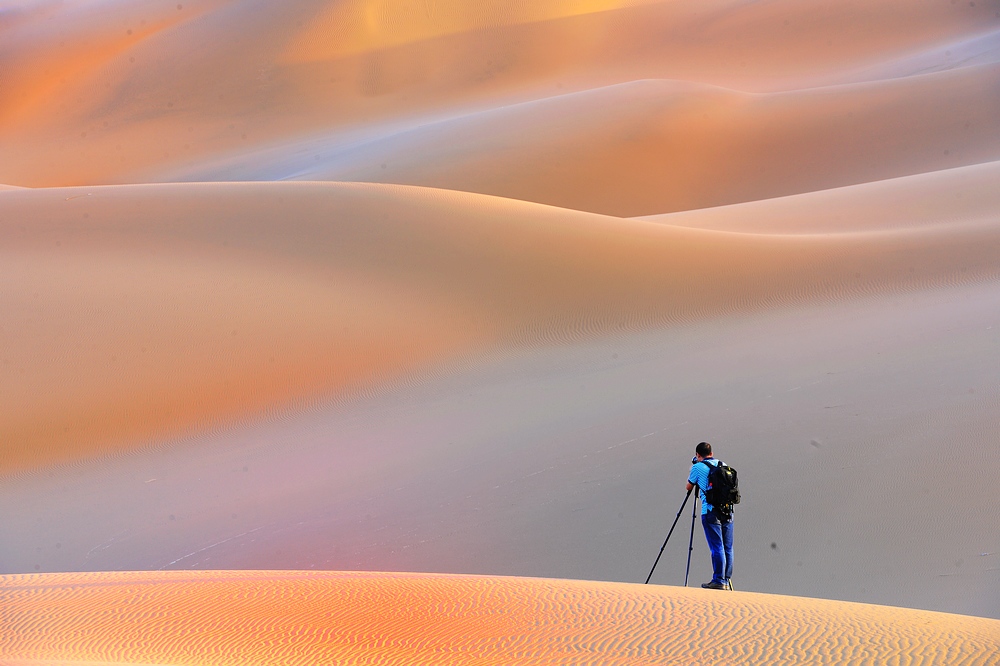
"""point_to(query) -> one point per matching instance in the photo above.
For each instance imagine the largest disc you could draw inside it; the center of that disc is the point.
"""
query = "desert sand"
(358, 618)
(455, 287)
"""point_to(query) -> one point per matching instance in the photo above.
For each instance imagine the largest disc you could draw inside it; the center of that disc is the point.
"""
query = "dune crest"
(947, 198)
(649, 147)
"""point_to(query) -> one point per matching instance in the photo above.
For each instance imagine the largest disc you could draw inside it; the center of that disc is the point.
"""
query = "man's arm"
(689, 486)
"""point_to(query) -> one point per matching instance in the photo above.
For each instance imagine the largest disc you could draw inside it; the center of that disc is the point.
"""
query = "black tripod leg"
(668, 535)
(694, 512)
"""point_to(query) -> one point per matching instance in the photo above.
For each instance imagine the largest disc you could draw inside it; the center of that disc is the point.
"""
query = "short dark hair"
(704, 449)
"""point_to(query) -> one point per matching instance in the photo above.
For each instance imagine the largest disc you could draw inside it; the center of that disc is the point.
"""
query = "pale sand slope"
(99, 92)
(925, 200)
(141, 310)
(864, 432)
(965, 51)
(863, 362)
(650, 147)
(348, 618)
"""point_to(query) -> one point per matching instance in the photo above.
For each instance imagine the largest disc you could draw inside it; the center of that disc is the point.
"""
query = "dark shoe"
(714, 586)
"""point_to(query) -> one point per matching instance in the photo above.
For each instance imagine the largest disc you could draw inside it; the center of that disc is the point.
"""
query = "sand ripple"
(360, 618)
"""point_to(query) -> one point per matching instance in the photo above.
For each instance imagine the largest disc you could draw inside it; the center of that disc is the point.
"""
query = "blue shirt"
(699, 477)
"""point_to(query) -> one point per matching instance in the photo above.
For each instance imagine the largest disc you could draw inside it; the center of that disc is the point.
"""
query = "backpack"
(723, 488)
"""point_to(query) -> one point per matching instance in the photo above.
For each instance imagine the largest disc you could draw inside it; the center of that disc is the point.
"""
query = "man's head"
(704, 450)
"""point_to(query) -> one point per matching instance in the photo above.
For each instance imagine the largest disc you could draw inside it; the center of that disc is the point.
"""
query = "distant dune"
(356, 618)
(219, 300)
(155, 88)
(455, 287)
(661, 146)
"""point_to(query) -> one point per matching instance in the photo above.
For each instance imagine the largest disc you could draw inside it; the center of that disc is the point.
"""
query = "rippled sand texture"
(452, 286)
(309, 618)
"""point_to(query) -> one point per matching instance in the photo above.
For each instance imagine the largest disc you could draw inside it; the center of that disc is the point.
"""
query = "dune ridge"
(647, 147)
(355, 618)
(939, 198)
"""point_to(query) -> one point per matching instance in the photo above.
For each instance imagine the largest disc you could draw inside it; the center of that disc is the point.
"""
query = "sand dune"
(218, 300)
(966, 51)
(344, 29)
(657, 146)
(847, 419)
(307, 618)
(940, 198)
(158, 89)
(454, 287)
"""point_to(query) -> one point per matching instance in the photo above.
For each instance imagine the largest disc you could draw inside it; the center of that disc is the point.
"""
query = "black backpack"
(723, 488)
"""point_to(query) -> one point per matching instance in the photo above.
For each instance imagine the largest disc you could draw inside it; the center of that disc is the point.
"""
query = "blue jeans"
(720, 541)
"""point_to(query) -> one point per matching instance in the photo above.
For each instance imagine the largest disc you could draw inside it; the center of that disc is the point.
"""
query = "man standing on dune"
(718, 525)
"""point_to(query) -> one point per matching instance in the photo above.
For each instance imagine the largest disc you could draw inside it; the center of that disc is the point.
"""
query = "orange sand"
(454, 286)
(93, 99)
(658, 146)
(350, 618)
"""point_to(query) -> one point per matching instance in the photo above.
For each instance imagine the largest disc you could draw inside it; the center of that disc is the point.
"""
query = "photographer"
(717, 523)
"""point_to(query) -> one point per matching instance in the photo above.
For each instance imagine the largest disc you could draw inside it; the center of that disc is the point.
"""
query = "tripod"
(694, 510)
